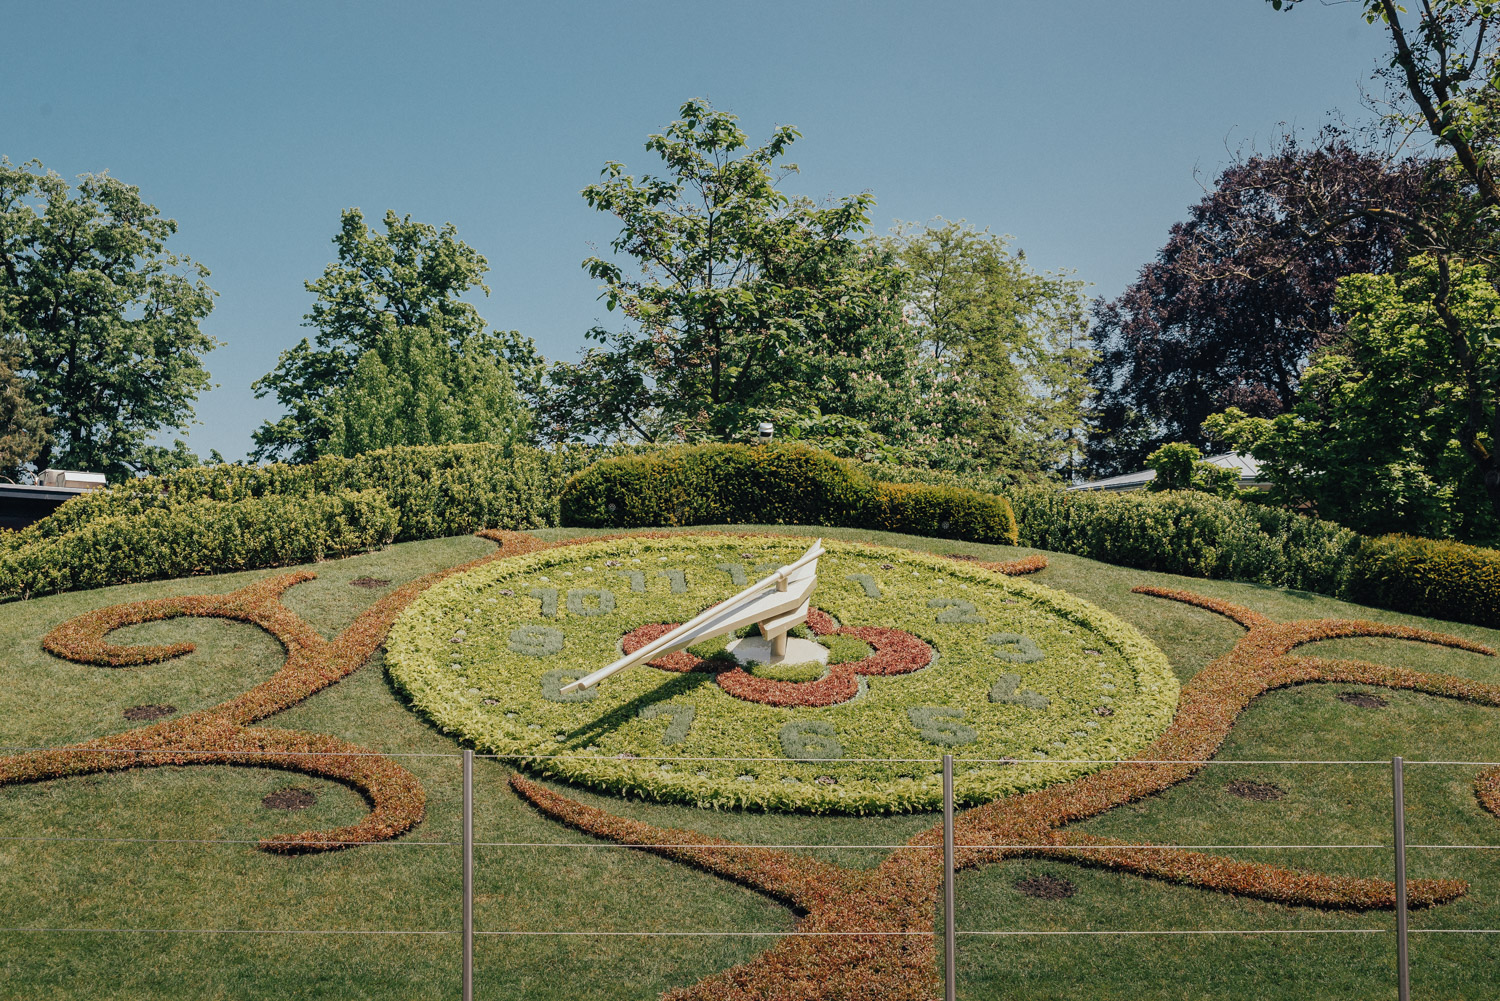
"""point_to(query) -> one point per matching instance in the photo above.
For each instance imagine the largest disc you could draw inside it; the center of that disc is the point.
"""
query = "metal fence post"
(468, 875)
(950, 935)
(1403, 966)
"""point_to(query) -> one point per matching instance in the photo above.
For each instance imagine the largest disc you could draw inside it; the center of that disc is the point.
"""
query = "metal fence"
(951, 933)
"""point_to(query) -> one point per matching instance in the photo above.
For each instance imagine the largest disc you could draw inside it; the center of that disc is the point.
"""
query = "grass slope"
(98, 884)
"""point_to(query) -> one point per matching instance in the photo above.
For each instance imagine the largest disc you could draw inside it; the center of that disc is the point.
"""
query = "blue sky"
(1074, 125)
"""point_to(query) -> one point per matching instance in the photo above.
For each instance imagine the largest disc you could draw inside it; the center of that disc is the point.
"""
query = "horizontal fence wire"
(229, 841)
(397, 843)
(257, 751)
(519, 756)
(791, 933)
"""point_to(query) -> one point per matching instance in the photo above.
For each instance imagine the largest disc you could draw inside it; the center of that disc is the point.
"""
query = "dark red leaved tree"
(1241, 294)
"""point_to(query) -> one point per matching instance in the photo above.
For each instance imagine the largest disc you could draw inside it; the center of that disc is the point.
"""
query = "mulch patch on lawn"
(292, 798)
(149, 712)
(1046, 887)
(1363, 699)
(1259, 791)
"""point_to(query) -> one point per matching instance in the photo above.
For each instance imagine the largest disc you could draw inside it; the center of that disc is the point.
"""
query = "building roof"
(1247, 467)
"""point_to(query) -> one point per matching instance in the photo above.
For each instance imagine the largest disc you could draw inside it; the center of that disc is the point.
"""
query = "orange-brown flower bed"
(222, 735)
(896, 904)
(873, 927)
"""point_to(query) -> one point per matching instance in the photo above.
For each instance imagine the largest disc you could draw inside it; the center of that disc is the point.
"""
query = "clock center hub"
(757, 650)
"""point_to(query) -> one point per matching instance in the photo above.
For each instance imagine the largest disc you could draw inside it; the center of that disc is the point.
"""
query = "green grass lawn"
(409, 886)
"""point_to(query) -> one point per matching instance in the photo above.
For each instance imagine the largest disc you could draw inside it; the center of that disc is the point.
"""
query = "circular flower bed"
(926, 656)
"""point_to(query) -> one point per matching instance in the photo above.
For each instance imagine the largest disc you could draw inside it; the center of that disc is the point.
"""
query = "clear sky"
(1074, 125)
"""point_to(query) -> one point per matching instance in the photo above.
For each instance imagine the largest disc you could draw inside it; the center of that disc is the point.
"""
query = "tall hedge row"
(777, 484)
(435, 490)
(224, 518)
(199, 536)
(1190, 533)
(1446, 580)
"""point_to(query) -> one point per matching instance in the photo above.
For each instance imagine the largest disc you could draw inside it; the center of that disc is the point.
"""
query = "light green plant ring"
(1027, 677)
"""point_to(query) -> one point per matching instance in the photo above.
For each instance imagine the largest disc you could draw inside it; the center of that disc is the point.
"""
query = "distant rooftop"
(1247, 467)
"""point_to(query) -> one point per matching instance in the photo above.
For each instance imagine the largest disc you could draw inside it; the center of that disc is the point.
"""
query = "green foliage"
(201, 536)
(704, 484)
(436, 490)
(413, 389)
(23, 424)
(450, 652)
(399, 358)
(949, 512)
(749, 305)
(776, 484)
(1444, 580)
(1180, 466)
(106, 320)
(1019, 338)
(1376, 438)
(1191, 533)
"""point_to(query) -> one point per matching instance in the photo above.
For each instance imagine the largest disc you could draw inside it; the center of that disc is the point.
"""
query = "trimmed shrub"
(995, 483)
(204, 536)
(1190, 533)
(1441, 579)
(943, 511)
(771, 484)
(708, 484)
(436, 490)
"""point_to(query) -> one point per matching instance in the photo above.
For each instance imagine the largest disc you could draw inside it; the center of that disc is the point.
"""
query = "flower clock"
(903, 657)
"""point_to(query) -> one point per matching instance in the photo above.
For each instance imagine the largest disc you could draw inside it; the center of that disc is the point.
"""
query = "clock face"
(905, 657)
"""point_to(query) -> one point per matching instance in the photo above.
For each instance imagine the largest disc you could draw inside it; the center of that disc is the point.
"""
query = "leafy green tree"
(107, 321)
(1444, 79)
(413, 389)
(23, 424)
(398, 350)
(748, 305)
(1375, 440)
(1019, 336)
(1180, 466)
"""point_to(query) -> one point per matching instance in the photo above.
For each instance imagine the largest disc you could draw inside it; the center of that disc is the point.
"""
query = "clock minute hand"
(792, 585)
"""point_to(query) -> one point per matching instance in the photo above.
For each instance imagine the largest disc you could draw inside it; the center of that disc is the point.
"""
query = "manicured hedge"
(204, 536)
(946, 511)
(1190, 533)
(435, 490)
(189, 522)
(772, 484)
(1446, 580)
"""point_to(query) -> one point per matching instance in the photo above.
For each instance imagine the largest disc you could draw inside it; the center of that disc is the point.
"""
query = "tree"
(1375, 439)
(413, 389)
(1445, 84)
(748, 305)
(1021, 338)
(1180, 466)
(1240, 296)
(397, 352)
(23, 424)
(107, 321)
